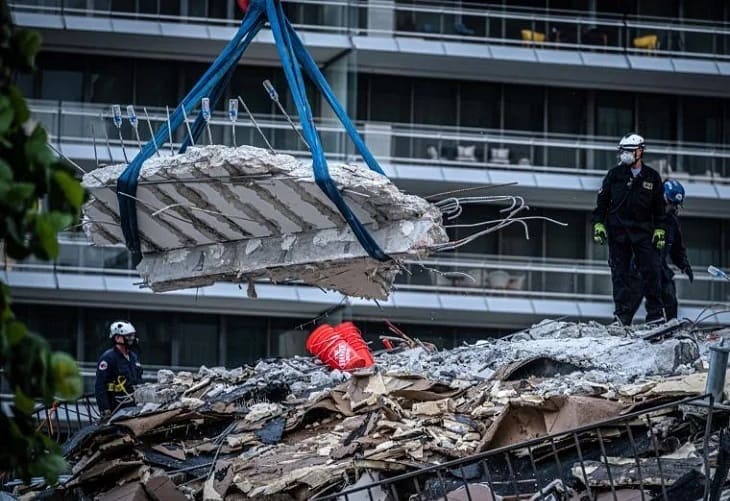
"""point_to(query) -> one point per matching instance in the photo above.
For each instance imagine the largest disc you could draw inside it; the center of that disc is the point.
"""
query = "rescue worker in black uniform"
(118, 370)
(630, 215)
(674, 251)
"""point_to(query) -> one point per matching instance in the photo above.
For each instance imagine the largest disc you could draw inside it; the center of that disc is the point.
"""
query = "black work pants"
(622, 246)
(668, 289)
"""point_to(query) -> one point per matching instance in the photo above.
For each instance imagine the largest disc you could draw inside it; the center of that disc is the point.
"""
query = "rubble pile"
(294, 429)
(216, 213)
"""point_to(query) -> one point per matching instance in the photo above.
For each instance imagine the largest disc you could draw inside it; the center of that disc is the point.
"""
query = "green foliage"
(30, 173)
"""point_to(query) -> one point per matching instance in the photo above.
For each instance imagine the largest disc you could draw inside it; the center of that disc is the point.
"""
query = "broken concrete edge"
(331, 259)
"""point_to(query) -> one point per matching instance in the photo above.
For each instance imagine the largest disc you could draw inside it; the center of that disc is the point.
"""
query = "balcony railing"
(483, 24)
(438, 146)
(473, 275)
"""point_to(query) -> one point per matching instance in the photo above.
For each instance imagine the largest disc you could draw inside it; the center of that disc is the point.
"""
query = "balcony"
(552, 169)
(452, 288)
(449, 41)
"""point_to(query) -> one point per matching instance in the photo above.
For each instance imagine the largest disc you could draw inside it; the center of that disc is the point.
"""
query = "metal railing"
(492, 24)
(589, 460)
(442, 146)
(542, 278)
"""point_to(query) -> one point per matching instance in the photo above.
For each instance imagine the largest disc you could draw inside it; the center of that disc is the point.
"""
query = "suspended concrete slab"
(219, 213)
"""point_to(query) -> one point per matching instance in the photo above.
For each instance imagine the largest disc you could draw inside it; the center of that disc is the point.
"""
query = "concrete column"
(381, 17)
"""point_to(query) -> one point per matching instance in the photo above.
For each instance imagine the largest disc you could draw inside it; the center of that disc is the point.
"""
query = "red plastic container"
(334, 349)
(352, 335)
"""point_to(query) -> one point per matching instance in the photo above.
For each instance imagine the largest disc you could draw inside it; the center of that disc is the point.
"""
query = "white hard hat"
(631, 141)
(121, 328)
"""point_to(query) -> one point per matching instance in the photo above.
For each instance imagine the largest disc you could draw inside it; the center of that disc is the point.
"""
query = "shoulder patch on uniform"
(648, 185)
(103, 365)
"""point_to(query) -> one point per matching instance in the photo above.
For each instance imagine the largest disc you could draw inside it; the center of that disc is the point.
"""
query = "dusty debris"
(217, 213)
(292, 427)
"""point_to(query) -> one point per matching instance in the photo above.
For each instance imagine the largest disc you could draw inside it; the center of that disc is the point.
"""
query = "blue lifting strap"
(213, 83)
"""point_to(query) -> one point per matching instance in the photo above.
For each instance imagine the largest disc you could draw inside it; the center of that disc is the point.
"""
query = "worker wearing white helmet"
(118, 370)
(630, 216)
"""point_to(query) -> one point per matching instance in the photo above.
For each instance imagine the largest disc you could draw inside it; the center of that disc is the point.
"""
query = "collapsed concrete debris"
(293, 429)
(218, 213)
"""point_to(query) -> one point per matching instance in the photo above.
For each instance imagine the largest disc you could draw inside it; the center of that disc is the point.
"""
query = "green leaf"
(45, 242)
(52, 465)
(6, 114)
(36, 148)
(70, 187)
(22, 113)
(27, 43)
(6, 173)
(23, 403)
(66, 377)
(15, 332)
(19, 194)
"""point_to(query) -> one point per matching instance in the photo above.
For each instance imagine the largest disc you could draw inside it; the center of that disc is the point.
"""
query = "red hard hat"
(243, 4)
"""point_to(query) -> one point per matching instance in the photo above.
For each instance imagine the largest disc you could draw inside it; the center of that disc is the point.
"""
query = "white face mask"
(626, 157)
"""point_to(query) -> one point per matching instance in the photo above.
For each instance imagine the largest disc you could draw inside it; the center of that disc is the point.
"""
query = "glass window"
(246, 340)
(156, 83)
(363, 90)
(434, 102)
(702, 238)
(473, 214)
(523, 107)
(62, 85)
(111, 80)
(198, 340)
(479, 105)
(513, 241)
(566, 111)
(616, 7)
(614, 113)
(390, 99)
(657, 117)
(289, 335)
(170, 7)
(25, 84)
(659, 8)
(57, 324)
(96, 330)
(567, 242)
(702, 119)
(154, 331)
(247, 82)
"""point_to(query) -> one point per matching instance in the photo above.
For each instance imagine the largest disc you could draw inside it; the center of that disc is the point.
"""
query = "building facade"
(448, 95)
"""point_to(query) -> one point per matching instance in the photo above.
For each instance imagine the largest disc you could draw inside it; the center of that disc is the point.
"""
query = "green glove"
(599, 233)
(658, 238)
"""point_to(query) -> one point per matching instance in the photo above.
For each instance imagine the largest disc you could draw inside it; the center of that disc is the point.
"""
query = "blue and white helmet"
(673, 192)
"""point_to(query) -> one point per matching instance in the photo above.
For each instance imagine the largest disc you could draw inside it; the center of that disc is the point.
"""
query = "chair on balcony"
(530, 37)
(498, 279)
(648, 42)
(466, 153)
(499, 155)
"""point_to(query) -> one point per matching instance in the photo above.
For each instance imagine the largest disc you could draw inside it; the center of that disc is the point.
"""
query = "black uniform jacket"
(633, 203)
(116, 376)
